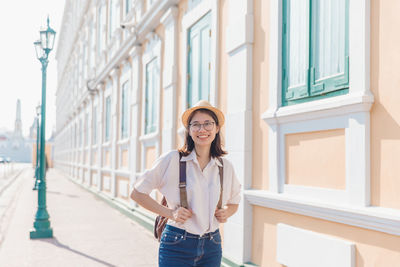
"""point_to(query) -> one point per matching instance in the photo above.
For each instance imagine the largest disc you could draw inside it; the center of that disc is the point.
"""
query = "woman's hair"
(216, 146)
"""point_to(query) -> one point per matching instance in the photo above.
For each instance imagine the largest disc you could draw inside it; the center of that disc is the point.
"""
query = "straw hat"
(203, 104)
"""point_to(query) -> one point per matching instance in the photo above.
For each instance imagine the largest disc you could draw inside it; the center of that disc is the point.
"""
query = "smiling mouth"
(202, 136)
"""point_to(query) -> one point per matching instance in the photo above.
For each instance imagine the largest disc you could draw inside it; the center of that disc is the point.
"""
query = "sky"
(20, 70)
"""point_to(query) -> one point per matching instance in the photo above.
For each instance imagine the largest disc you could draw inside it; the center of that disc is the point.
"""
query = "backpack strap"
(221, 179)
(182, 182)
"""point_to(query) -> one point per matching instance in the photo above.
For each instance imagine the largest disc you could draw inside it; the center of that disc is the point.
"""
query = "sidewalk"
(87, 231)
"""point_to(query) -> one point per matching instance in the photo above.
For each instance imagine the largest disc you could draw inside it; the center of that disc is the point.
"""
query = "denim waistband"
(186, 234)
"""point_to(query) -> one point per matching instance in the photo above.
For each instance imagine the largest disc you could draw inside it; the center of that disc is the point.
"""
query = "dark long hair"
(216, 146)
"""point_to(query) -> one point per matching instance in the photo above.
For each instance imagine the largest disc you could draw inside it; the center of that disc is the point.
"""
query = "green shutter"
(321, 69)
(199, 61)
(330, 52)
(150, 96)
(108, 118)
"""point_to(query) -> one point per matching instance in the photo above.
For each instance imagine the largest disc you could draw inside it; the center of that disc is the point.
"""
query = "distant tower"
(18, 122)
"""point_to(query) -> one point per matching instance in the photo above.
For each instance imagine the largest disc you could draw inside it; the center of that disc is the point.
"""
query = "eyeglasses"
(208, 126)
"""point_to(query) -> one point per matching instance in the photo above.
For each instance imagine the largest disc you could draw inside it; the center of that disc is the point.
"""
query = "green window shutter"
(315, 58)
(199, 61)
(108, 118)
(94, 121)
(330, 52)
(150, 95)
(124, 110)
(295, 58)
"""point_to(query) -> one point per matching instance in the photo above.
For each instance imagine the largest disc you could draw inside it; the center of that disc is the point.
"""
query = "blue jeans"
(180, 248)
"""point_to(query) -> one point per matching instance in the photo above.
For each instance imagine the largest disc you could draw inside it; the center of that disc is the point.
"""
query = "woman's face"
(202, 129)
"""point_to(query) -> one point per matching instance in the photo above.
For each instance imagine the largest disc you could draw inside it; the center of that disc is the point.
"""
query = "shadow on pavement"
(55, 242)
(59, 193)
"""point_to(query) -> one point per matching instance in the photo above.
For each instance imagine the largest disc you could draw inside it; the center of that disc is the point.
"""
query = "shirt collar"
(192, 156)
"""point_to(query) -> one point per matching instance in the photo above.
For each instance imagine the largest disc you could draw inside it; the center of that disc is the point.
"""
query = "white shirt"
(202, 187)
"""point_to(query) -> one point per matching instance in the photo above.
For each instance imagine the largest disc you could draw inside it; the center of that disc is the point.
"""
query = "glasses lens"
(208, 126)
(195, 127)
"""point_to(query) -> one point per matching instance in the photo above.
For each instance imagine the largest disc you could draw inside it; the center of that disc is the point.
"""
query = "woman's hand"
(223, 214)
(181, 214)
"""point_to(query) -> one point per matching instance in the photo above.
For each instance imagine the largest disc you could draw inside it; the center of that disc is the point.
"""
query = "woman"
(191, 237)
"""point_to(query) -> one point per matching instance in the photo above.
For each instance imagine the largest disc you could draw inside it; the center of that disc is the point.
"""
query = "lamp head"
(47, 37)
(38, 48)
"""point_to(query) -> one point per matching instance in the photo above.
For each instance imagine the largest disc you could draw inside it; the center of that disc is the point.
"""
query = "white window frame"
(125, 77)
(107, 93)
(350, 111)
(152, 51)
(188, 20)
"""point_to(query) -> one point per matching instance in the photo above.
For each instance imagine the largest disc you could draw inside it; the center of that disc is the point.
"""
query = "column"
(170, 73)
(239, 46)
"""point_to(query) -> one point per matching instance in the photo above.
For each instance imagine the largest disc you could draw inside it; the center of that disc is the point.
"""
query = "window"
(86, 129)
(315, 59)
(94, 121)
(128, 6)
(92, 47)
(150, 95)
(108, 118)
(114, 17)
(100, 32)
(199, 61)
(83, 62)
(124, 110)
(193, 3)
(80, 132)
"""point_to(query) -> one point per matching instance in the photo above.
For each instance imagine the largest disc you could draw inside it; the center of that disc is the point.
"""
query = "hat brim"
(217, 112)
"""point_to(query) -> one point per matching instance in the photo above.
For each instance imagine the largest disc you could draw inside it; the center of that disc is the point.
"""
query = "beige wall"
(94, 157)
(124, 158)
(260, 94)
(309, 165)
(385, 114)
(107, 158)
(372, 248)
(93, 180)
(102, 180)
(48, 151)
(150, 157)
(118, 179)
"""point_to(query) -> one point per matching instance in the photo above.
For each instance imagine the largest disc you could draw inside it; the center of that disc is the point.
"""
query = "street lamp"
(37, 147)
(42, 224)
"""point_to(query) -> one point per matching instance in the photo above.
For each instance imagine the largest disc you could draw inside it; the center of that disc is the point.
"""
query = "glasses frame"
(202, 125)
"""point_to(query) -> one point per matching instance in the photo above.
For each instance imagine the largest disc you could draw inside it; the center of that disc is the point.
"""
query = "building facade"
(309, 90)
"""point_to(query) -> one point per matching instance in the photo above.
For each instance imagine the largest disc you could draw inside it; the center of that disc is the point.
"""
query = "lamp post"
(37, 147)
(42, 223)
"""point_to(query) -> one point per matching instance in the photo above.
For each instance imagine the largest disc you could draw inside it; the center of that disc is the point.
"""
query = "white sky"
(19, 68)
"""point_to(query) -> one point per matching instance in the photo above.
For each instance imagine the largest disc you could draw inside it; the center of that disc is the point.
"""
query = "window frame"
(193, 15)
(350, 111)
(196, 28)
(107, 118)
(314, 90)
(151, 118)
(125, 109)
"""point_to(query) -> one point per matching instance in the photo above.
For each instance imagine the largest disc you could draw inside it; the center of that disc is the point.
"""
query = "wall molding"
(374, 218)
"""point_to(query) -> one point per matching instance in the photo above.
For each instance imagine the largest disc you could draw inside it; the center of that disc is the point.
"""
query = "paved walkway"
(87, 231)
